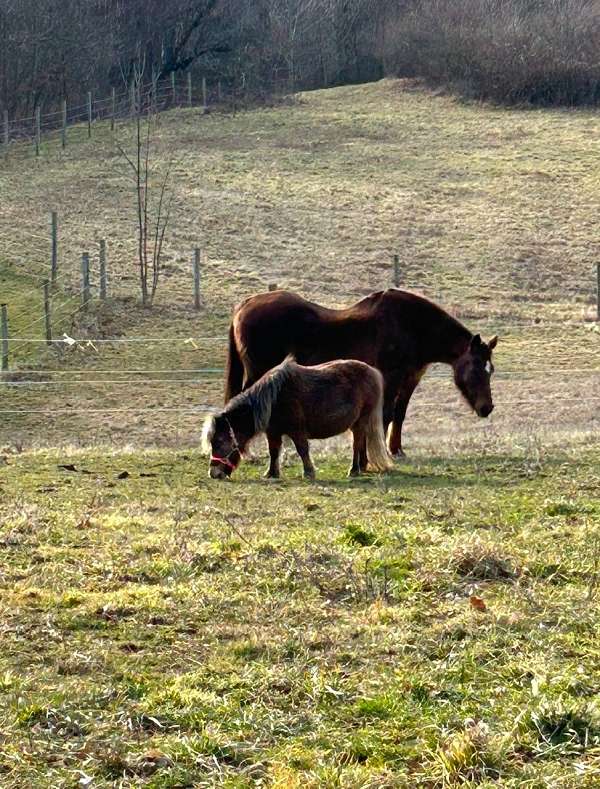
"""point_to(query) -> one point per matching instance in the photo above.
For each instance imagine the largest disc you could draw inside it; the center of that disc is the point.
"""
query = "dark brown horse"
(302, 403)
(398, 332)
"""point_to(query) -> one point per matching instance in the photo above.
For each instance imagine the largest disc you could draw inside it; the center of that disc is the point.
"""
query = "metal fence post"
(64, 124)
(396, 271)
(103, 281)
(54, 259)
(38, 129)
(85, 279)
(4, 337)
(89, 108)
(113, 97)
(197, 303)
(47, 316)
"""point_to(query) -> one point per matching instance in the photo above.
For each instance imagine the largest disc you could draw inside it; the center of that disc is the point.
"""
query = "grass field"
(437, 626)
(163, 630)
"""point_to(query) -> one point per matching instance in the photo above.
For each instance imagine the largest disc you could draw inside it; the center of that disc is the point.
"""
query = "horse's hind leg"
(273, 472)
(301, 444)
(359, 451)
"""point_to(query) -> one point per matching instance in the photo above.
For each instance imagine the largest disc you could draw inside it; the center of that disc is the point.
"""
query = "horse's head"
(220, 442)
(472, 373)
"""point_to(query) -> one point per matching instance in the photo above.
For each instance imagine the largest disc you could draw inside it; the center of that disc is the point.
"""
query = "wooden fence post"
(89, 108)
(47, 317)
(38, 129)
(174, 95)
(204, 96)
(197, 303)
(396, 271)
(64, 124)
(54, 258)
(4, 336)
(85, 279)
(103, 281)
(189, 87)
(6, 139)
(113, 96)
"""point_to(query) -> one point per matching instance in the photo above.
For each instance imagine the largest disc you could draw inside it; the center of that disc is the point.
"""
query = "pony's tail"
(234, 373)
(377, 452)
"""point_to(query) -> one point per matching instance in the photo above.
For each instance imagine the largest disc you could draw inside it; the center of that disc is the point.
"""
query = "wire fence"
(158, 95)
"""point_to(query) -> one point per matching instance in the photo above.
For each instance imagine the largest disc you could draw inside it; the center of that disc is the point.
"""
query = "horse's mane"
(449, 322)
(262, 396)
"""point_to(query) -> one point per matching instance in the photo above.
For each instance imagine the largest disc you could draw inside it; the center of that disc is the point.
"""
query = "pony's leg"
(359, 451)
(400, 406)
(274, 450)
(301, 444)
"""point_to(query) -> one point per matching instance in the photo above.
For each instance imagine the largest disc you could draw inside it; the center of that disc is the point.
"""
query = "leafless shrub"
(541, 52)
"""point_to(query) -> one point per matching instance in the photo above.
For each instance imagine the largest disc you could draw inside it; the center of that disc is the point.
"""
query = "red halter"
(224, 461)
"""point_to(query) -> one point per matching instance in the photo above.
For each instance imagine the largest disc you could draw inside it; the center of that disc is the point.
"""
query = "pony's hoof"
(399, 455)
(354, 472)
(310, 476)
(270, 475)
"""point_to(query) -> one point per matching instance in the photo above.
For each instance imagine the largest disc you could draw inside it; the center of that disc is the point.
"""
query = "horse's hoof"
(354, 472)
(269, 475)
(399, 455)
(310, 477)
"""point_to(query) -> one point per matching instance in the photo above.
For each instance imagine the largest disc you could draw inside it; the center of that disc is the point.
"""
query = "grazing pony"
(302, 403)
(398, 332)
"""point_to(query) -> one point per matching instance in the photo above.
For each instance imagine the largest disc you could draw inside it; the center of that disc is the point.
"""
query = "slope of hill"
(492, 212)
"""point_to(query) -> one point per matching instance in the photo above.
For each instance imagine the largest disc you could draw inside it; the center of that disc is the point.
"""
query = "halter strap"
(224, 461)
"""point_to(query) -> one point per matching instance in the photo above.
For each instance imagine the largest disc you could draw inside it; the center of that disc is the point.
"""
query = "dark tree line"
(55, 49)
(538, 51)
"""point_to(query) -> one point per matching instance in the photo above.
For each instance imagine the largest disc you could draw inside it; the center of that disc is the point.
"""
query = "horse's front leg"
(400, 406)
(273, 472)
(301, 444)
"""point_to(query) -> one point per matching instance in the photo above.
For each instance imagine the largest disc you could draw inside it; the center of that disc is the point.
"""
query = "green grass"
(162, 629)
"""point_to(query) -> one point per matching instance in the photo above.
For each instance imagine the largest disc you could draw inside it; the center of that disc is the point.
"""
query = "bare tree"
(152, 206)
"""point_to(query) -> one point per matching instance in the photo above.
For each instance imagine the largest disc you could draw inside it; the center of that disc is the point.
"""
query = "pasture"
(436, 626)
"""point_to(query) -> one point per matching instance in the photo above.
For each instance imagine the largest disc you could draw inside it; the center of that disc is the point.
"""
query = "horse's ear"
(476, 342)
(493, 342)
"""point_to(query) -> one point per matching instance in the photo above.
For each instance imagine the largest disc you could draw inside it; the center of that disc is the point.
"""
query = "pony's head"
(472, 373)
(220, 442)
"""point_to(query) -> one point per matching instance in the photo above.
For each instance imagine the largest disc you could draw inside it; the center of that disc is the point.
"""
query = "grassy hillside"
(436, 627)
(433, 627)
(492, 212)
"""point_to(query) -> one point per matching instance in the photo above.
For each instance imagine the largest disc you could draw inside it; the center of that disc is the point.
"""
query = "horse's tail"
(377, 452)
(234, 372)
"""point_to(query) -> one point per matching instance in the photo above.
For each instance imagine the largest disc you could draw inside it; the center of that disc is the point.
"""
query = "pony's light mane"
(262, 396)
(208, 431)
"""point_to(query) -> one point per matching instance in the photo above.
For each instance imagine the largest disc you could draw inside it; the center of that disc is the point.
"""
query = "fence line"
(206, 407)
(520, 375)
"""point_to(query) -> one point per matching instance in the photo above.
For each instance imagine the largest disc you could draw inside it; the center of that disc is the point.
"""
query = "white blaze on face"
(488, 367)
